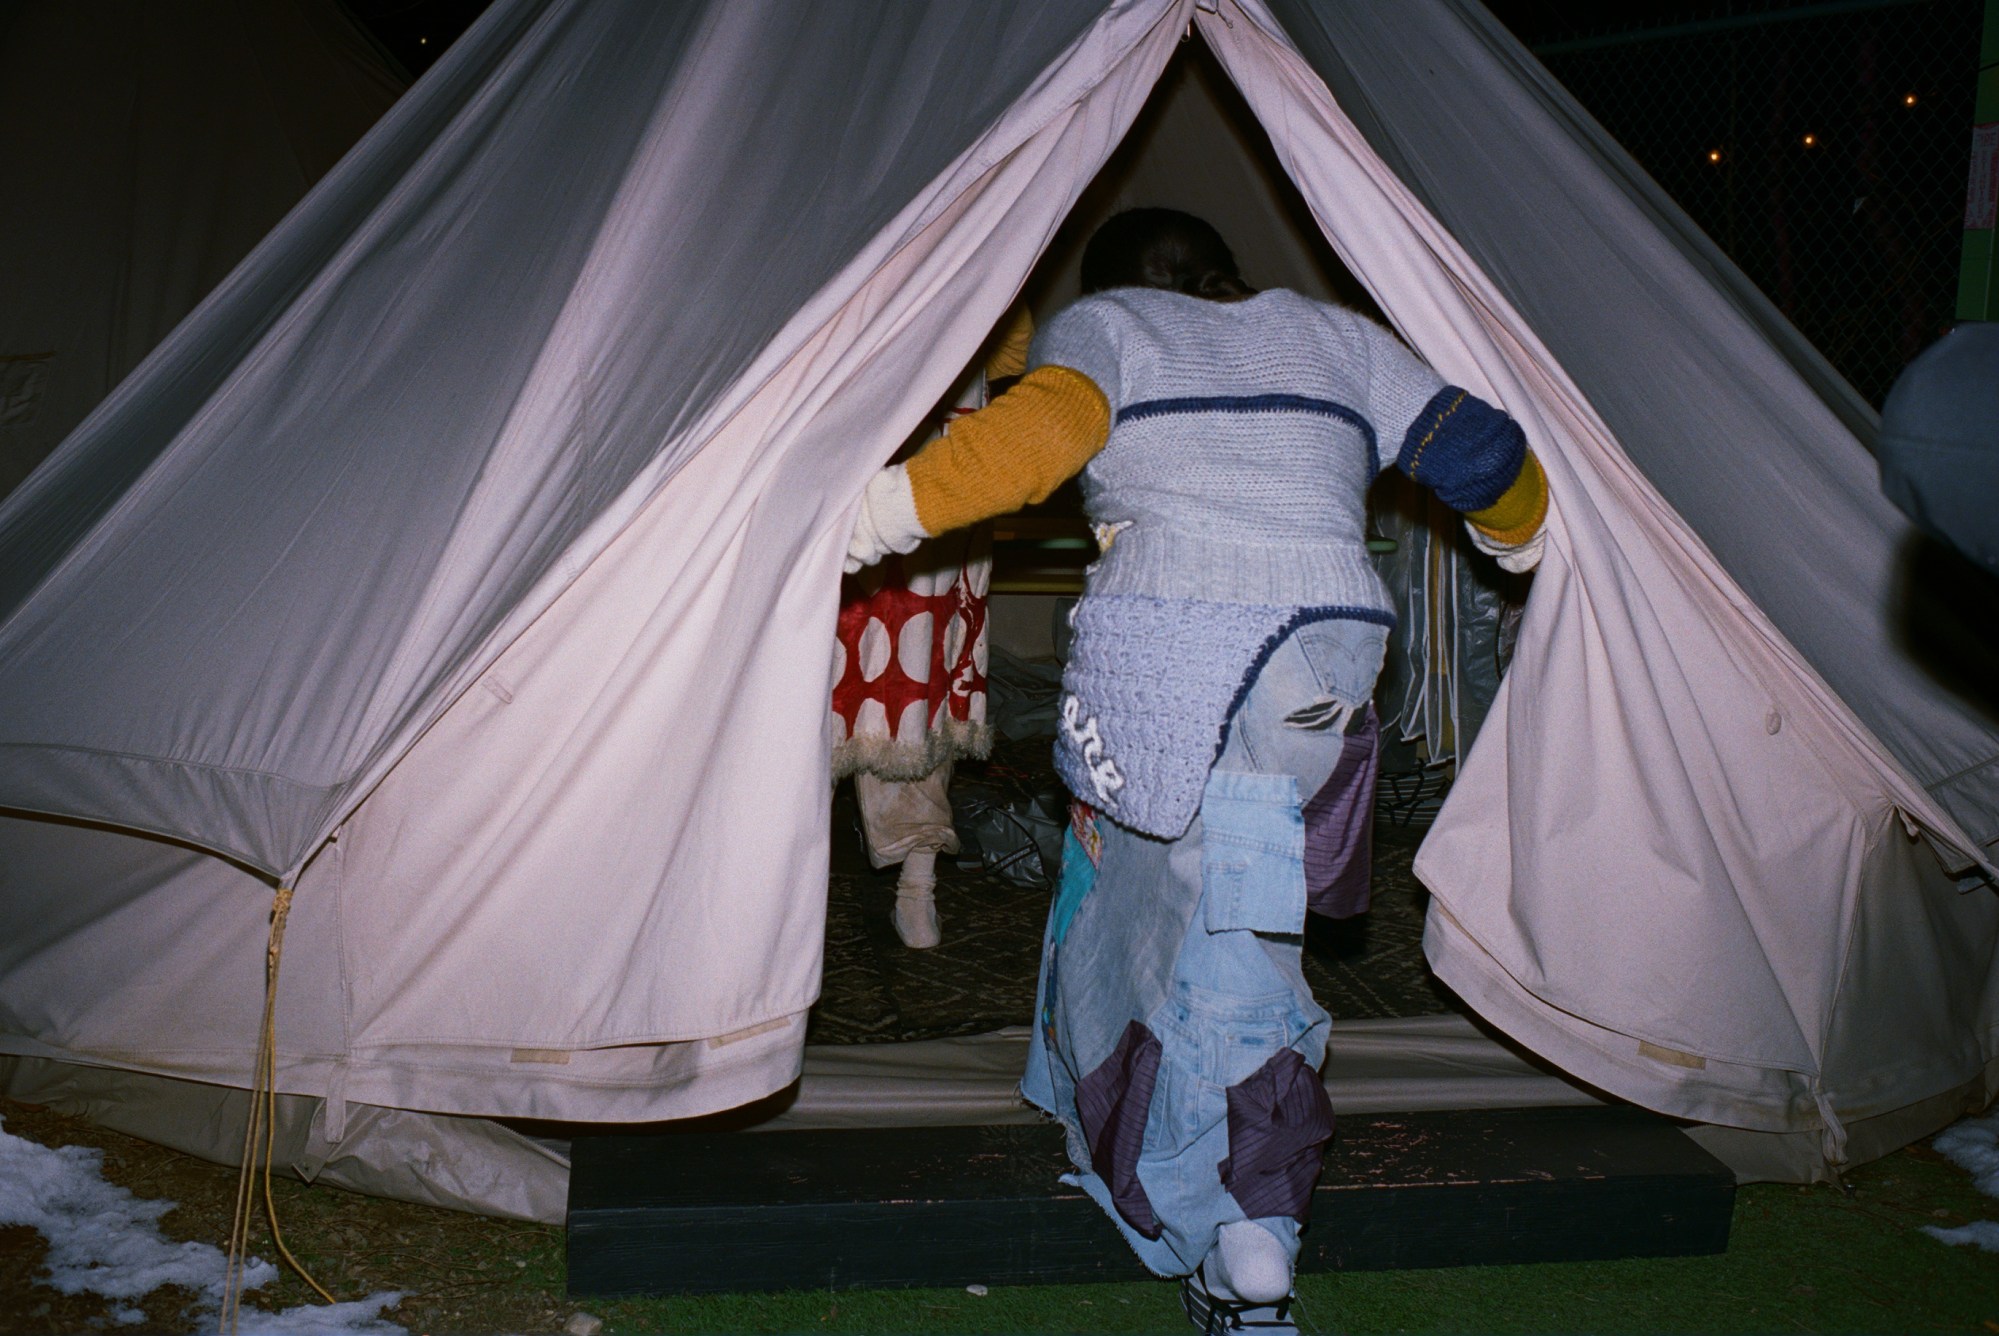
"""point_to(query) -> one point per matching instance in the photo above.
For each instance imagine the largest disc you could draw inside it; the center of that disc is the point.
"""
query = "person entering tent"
(1217, 728)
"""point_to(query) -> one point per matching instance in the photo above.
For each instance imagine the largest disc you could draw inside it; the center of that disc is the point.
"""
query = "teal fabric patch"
(1079, 875)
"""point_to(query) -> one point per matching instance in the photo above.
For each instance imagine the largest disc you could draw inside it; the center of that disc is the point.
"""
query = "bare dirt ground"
(459, 1272)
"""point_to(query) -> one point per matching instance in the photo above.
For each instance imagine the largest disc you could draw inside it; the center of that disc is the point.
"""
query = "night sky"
(417, 31)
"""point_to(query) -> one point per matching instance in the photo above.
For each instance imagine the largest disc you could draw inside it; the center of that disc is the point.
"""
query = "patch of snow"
(102, 1239)
(1979, 1233)
(1973, 1144)
(362, 1317)
(105, 1241)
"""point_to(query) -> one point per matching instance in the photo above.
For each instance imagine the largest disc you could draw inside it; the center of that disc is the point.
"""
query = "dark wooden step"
(947, 1206)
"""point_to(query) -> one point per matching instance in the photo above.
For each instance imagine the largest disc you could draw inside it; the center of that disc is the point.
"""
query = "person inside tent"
(909, 688)
(1216, 723)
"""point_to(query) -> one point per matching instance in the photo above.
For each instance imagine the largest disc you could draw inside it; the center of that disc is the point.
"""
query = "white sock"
(1248, 1264)
(915, 916)
(919, 873)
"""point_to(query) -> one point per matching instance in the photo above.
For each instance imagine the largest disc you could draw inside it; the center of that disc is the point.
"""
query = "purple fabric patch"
(1113, 1102)
(1339, 828)
(1279, 1123)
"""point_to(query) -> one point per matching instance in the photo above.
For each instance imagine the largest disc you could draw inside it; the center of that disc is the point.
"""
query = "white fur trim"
(881, 755)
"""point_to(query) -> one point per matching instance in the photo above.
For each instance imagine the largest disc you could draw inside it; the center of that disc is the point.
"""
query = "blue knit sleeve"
(1399, 383)
(1463, 449)
(1082, 338)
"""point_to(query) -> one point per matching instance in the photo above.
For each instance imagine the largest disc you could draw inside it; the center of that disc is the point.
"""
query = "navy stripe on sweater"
(1258, 403)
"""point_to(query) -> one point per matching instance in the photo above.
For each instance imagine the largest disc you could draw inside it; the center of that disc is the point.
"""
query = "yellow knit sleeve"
(1517, 515)
(1009, 350)
(1011, 453)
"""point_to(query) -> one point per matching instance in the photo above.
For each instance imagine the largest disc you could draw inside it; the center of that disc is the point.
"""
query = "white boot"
(1247, 1263)
(915, 916)
(1243, 1285)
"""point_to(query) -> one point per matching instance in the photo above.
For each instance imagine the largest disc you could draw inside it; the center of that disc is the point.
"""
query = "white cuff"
(1515, 557)
(887, 521)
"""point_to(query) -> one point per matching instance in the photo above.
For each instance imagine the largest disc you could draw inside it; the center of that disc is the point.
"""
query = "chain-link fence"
(1824, 147)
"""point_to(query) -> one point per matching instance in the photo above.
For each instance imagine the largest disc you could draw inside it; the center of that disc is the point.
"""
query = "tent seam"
(150, 759)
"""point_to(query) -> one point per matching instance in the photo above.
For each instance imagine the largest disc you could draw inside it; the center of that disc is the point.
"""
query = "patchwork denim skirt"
(1177, 1040)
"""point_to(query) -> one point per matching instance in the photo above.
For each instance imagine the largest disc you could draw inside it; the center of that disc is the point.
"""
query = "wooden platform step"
(756, 1211)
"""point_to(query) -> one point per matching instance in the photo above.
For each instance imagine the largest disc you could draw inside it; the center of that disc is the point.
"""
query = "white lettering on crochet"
(1104, 776)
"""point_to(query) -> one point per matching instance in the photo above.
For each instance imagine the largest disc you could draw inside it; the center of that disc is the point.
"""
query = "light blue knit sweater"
(1244, 437)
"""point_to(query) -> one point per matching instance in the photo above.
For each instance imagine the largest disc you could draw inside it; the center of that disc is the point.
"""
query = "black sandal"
(1216, 1316)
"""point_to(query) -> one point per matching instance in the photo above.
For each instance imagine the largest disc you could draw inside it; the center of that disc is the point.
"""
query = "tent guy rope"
(263, 1094)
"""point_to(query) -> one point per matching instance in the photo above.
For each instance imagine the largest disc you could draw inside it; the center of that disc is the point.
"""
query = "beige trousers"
(900, 816)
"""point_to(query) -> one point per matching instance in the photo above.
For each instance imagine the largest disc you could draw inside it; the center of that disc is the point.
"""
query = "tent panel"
(1751, 438)
(516, 323)
(1597, 855)
(120, 948)
(462, 1164)
(1917, 1011)
(135, 954)
(1196, 148)
(1800, 1157)
(1684, 1083)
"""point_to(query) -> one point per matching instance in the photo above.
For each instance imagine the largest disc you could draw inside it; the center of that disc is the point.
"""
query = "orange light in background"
(1714, 155)
(1810, 140)
(1909, 100)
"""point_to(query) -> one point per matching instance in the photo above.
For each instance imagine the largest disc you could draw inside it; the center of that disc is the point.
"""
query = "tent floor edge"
(950, 1206)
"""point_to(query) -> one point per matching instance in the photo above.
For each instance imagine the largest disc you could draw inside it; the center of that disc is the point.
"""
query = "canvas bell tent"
(467, 566)
(152, 146)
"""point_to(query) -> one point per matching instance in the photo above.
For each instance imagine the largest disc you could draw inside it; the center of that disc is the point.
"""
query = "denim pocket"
(1344, 657)
(1252, 854)
(1222, 1037)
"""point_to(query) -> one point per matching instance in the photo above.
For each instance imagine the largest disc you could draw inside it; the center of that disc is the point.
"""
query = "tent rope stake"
(263, 1099)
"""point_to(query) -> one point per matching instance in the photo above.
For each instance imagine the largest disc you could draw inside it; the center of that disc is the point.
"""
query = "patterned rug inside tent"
(982, 976)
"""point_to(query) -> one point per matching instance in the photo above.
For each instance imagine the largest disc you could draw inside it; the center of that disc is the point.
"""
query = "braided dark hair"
(1162, 248)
